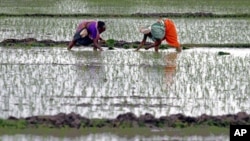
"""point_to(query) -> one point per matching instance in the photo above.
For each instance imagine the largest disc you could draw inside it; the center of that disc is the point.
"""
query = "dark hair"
(100, 24)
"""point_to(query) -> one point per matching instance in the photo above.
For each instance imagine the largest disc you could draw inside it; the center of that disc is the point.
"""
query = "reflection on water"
(112, 137)
(40, 81)
(170, 67)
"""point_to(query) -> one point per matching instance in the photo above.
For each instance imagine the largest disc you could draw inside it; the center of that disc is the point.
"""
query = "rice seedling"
(198, 77)
(206, 31)
(121, 7)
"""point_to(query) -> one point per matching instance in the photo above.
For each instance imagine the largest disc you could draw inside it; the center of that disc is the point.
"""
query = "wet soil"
(31, 42)
(74, 120)
(110, 43)
(34, 42)
(128, 120)
(145, 15)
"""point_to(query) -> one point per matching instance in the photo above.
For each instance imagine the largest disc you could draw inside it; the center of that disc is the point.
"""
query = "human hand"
(102, 41)
(100, 49)
(146, 48)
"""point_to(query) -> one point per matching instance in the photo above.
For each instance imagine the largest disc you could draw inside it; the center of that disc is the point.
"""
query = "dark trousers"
(85, 41)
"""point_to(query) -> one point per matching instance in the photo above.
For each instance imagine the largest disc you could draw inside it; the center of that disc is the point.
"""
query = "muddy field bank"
(127, 120)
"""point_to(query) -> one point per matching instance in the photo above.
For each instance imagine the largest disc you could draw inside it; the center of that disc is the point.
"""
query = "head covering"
(145, 29)
(157, 30)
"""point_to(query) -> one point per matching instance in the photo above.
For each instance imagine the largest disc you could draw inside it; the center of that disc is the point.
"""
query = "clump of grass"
(223, 53)
(184, 47)
(110, 43)
(134, 45)
(111, 48)
(126, 46)
(163, 47)
(19, 124)
(180, 125)
(98, 123)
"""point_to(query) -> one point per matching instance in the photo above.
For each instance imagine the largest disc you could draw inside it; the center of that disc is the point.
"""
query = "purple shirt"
(92, 28)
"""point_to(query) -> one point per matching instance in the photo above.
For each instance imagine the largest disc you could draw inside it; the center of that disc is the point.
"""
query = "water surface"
(123, 7)
(46, 81)
(113, 137)
(190, 31)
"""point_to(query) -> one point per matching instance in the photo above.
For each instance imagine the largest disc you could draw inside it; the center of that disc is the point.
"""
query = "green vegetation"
(110, 43)
(153, 15)
(54, 19)
(100, 126)
(19, 124)
(223, 53)
(123, 7)
(163, 46)
(129, 132)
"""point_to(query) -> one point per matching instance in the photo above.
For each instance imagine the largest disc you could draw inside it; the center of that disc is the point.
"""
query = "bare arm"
(96, 45)
(101, 40)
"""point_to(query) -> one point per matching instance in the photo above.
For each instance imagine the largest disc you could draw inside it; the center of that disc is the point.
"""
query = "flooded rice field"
(50, 80)
(122, 7)
(108, 137)
(190, 31)
(46, 81)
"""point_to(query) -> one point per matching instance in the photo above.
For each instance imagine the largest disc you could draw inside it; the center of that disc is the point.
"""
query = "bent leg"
(79, 40)
(84, 41)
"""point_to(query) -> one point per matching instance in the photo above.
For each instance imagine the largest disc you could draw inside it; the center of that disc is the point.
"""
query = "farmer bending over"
(88, 32)
(162, 29)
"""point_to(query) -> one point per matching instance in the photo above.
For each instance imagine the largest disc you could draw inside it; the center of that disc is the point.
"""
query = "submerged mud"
(110, 43)
(147, 15)
(129, 120)
(35, 42)
(31, 42)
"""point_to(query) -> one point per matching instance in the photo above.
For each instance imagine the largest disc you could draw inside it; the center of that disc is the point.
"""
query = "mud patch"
(127, 120)
(32, 42)
(27, 42)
